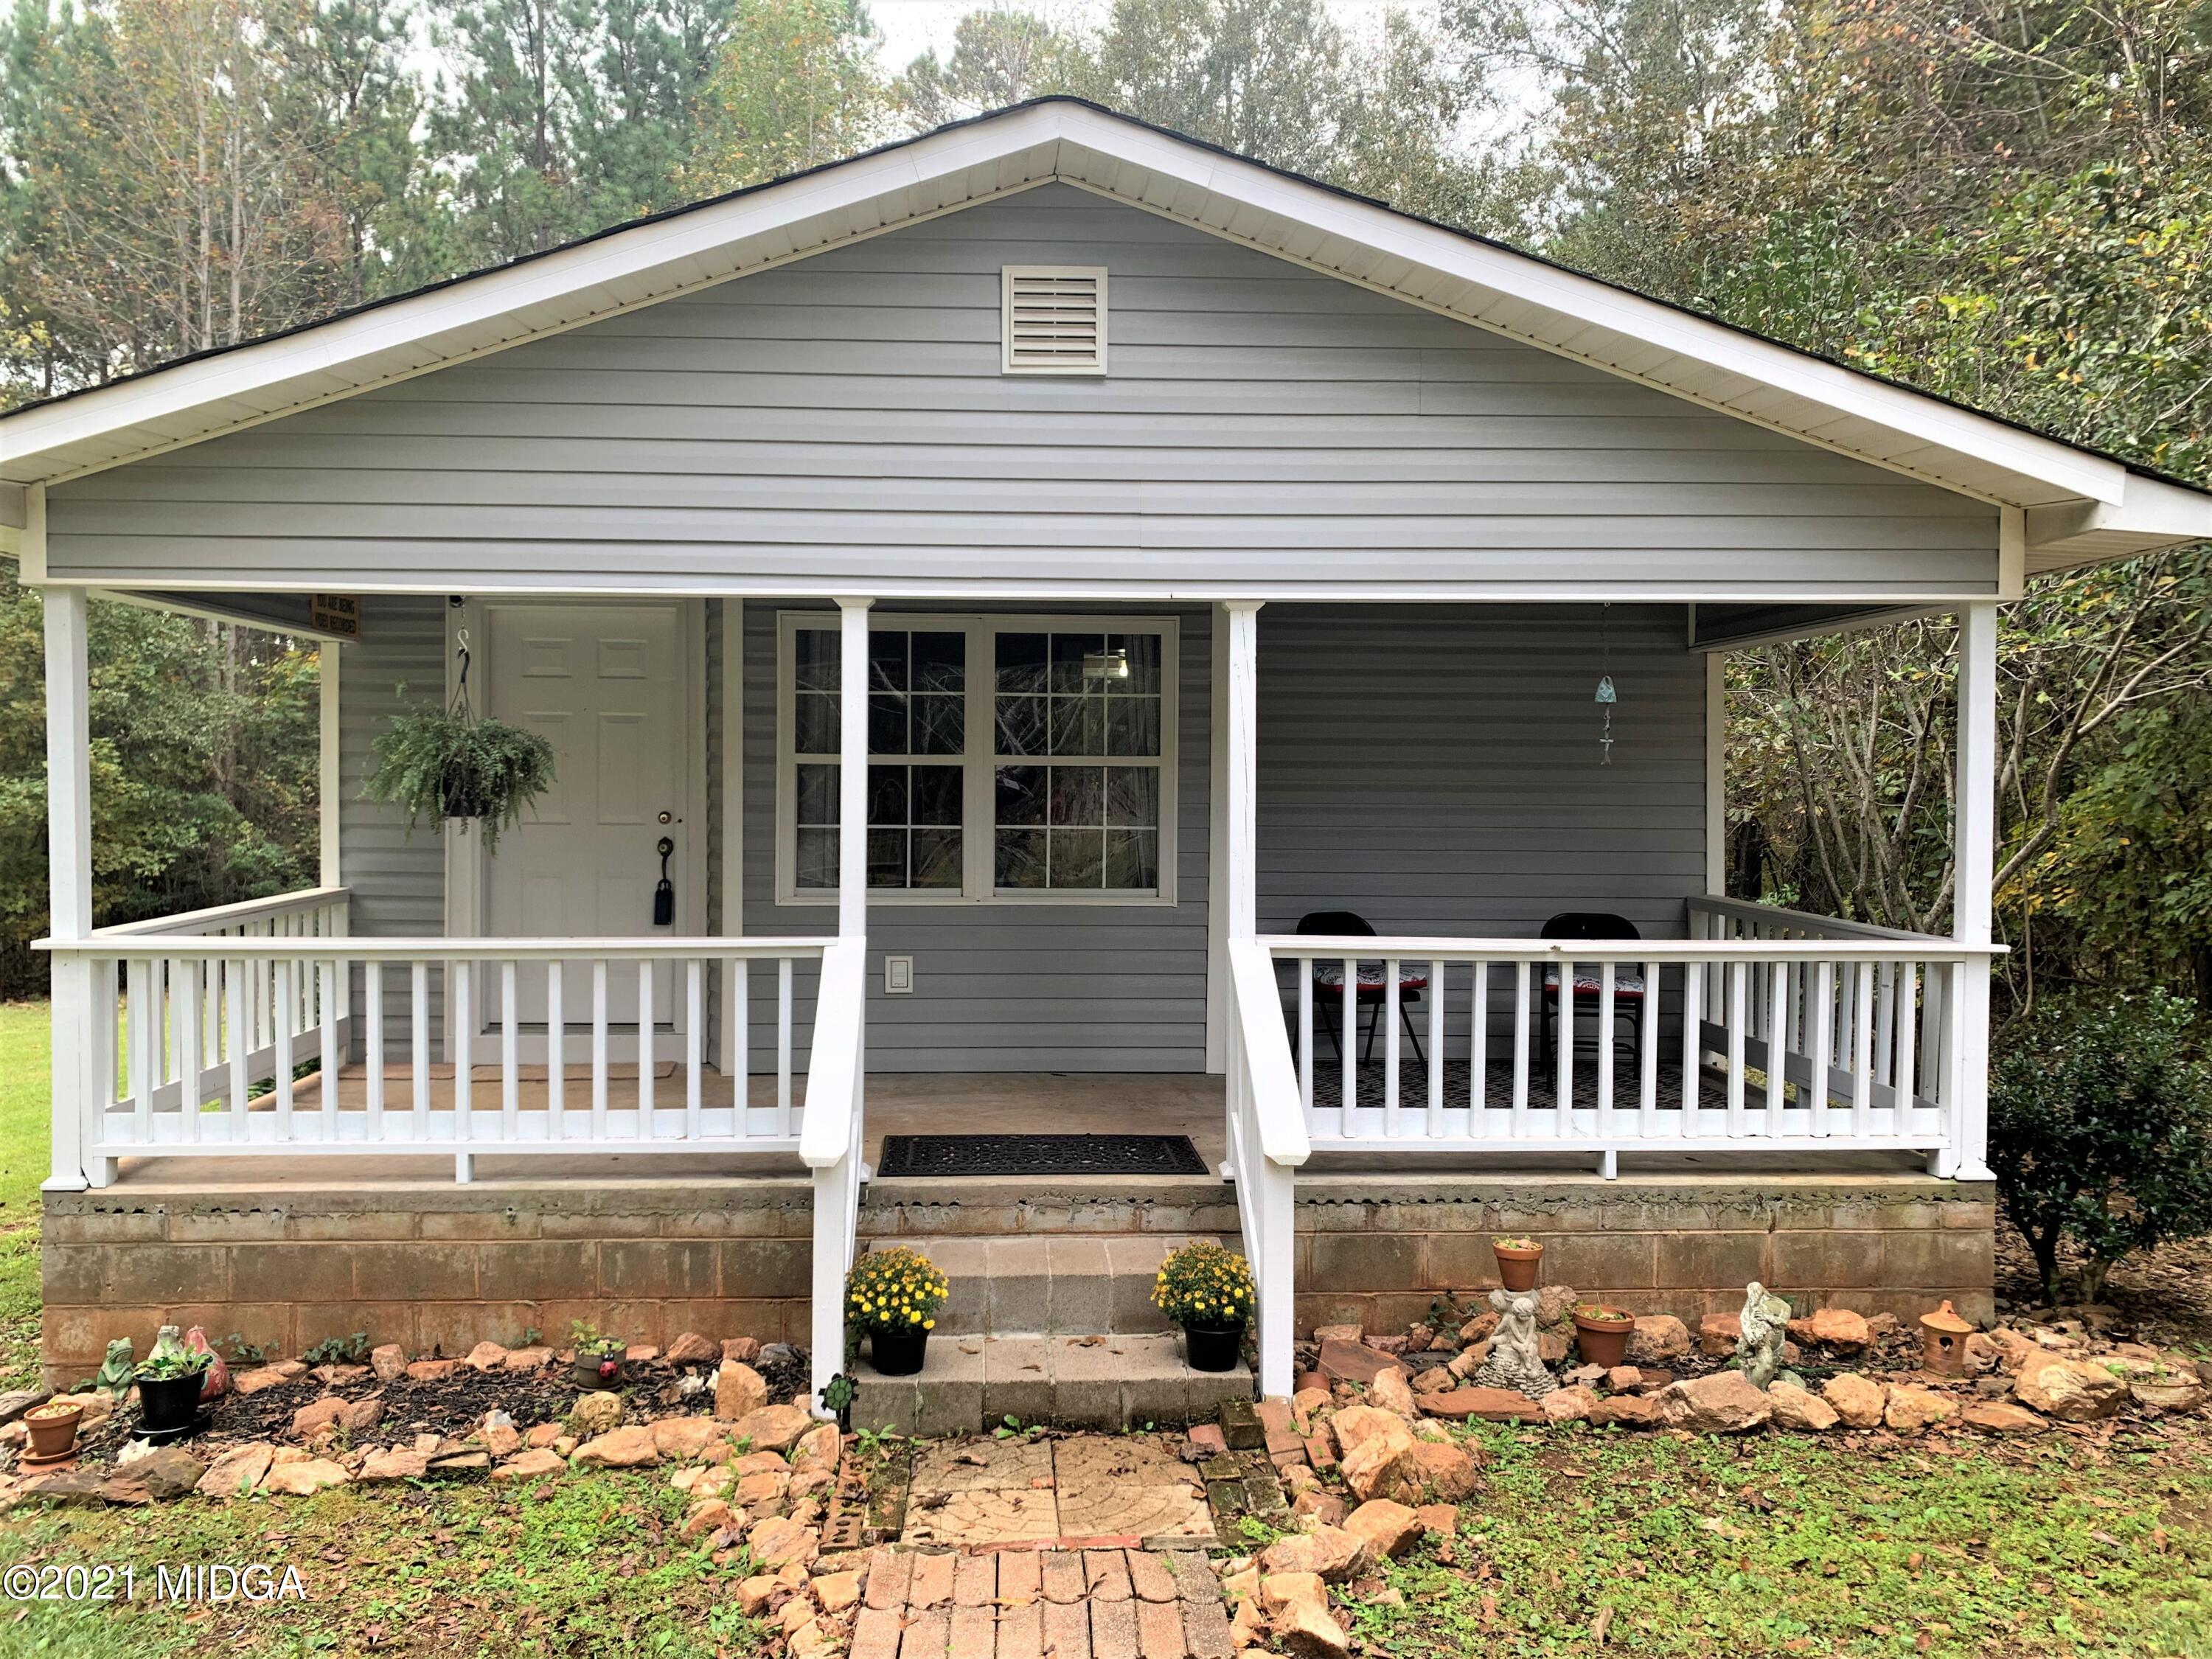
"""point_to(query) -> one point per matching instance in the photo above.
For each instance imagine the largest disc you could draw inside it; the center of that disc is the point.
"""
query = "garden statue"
(1765, 1326)
(117, 1370)
(1514, 1362)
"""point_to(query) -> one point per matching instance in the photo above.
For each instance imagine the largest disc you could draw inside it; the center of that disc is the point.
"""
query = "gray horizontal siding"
(1011, 987)
(399, 880)
(843, 420)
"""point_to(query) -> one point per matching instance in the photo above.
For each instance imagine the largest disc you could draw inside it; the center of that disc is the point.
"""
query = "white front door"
(607, 686)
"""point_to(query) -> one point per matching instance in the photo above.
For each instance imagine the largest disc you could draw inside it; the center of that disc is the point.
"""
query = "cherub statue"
(1514, 1362)
(118, 1369)
(1765, 1326)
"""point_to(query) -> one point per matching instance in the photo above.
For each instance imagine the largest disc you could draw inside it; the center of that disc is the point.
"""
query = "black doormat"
(1040, 1154)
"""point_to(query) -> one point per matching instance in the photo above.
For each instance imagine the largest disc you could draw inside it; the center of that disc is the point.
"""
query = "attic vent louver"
(1055, 320)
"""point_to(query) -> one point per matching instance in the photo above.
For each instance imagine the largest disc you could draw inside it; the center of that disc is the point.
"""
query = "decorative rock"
(2012, 1350)
(1996, 1417)
(302, 1479)
(1327, 1333)
(1298, 1607)
(765, 1487)
(782, 1541)
(1621, 1379)
(1388, 1528)
(773, 1428)
(486, 1356)
(1858, 1401)
(1445, 1471)
(1330, 1552)
(1490, 1405)
(1719, 1334)
(1630, 1411)
(837, 1591)
(1568, 1405)
(681, 1438)
(238, 1471)
(531, 1465)
(535, 1358)
(618, 1449)
(168, 1472)
(422, 1371)
(1391, 1391)
(260, 1377)
(1838, 1328)
(819, 1448)
(1353, 1361)
(388, 1361)
(596, 1413)
(693, 1349)
(739, 1390)
(2072, 1390)
(1326, 1508)
(1376, 1449)
(1910, 1409)
(1438, 1518)
(1657, 1337)
(1796, 1409)
(395, 1463)
(1724, 1403)
(2174, 1392)
(743, 1349)
(460, 1463)
(500, 1436)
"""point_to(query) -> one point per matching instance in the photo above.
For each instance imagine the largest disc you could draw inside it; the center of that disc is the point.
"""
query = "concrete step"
(1058, 1284)
(971, 1384)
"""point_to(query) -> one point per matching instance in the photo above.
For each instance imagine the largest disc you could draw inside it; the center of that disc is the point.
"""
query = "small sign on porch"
(335, 613)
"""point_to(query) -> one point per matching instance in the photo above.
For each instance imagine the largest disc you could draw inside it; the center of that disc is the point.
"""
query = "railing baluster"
(328, 1058)
(646, 1128)
(418, 1044)
(238, 1010)
(1435, 996)
(510, 1053)
(287, 997)
(372, 1047)
(140, 1041)
(1823, 1043)
(694, 990)
(1304, 965)
(1563, 1081)
(1521, 1012)
(1350, 1019)
(185, 984)
(1739, 1014)
(1885, 1022)
(783, 1042)
(556, 1051)
(1862, 1050)
(1647, 1048)
(1390, 1010)
(459, 981)
(1693, 1046)
(1605, 994)
(1778, 1045)
(1908, 1002)
(1478, 1050)
(738, 1051)
(599, 1047)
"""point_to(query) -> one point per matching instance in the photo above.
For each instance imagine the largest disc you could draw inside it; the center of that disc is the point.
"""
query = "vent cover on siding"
(1055, 320)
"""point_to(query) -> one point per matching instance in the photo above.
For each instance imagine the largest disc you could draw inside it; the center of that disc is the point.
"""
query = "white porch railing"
(215, 1024)
(1766, 1028)
(1267, 1141)
(833, 1141)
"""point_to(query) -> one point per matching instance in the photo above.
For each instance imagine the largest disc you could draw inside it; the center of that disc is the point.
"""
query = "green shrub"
(446, 763)
(2100, 1130)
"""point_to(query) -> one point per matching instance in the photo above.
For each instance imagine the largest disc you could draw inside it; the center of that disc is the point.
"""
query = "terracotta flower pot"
(53, 1436)
(1516, 1267)
(1603, 1341)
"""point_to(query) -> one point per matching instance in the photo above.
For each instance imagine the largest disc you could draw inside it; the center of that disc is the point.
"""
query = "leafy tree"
(795, 86)
(2100, 1132)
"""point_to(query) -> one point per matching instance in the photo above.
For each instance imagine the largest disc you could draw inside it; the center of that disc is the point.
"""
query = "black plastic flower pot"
(897, 1354)
(1212, 1348)
(169, 1407)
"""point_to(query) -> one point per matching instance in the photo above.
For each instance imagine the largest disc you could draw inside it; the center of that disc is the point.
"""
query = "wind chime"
(1606, 695)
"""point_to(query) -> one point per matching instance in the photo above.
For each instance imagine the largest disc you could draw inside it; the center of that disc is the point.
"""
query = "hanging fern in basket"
(447, 764)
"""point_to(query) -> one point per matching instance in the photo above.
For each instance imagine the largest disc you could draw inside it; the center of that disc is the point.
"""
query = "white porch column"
(1240, 775)
(329, 785)
(853, 769)
(1974, 855)
(69, 873)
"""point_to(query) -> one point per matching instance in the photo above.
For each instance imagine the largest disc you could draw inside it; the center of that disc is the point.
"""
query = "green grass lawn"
(1644, 1544)
(24, 1129)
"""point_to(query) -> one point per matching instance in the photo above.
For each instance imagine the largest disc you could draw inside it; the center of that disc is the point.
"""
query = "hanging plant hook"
(460, 705)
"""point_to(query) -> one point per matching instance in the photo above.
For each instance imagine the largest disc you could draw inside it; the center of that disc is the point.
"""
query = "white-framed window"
(1011, 758)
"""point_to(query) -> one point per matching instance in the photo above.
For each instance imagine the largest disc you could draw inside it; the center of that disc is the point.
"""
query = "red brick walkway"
(1029, 1604)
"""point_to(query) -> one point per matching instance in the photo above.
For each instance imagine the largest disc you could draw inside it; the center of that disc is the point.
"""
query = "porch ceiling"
(2078, 506)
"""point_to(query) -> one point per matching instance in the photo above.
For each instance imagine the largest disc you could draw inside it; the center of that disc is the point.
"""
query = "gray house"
(1006, 583)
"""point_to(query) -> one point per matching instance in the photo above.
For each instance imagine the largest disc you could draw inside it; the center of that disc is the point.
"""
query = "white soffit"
(2080, 506)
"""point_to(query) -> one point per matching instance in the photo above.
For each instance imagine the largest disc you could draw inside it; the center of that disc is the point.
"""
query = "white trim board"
(2080, 505)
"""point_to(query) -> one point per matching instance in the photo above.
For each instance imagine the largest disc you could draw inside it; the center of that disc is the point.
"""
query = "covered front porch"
(1436, 773)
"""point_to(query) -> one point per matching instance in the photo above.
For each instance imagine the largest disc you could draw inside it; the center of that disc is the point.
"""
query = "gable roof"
(2078, 504)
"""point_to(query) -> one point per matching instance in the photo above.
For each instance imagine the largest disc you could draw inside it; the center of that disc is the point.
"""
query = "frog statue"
(118, 1369)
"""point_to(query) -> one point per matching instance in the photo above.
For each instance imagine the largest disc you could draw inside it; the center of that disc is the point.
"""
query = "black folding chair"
(1628, 989)
(1372, 995)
